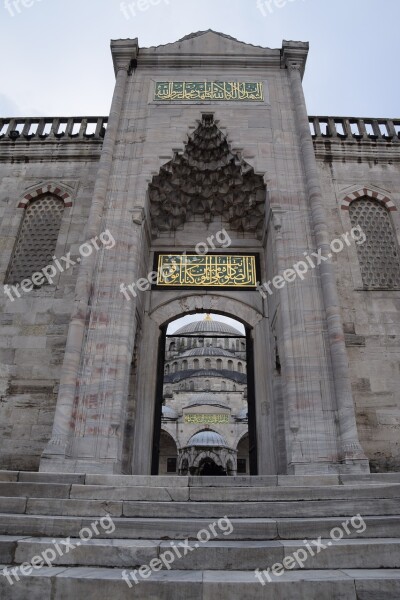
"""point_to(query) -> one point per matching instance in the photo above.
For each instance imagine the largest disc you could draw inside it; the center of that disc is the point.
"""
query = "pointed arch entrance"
(151, 377)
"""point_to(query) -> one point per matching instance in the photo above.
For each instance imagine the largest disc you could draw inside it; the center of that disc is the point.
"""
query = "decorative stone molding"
(365, 192)
(48, 188)
(138, 215)
(124, 53)
(205, 181)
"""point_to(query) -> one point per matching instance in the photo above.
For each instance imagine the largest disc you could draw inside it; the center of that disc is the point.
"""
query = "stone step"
(181, 528)
(60, 583)
(146, 509)
(235, 494)
(191, 481)
(225, 554)
(197, 494)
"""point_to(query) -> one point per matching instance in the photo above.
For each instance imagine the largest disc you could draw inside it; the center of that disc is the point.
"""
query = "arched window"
(37, 238)
(379, 254)
(184, 365)
(175, 367)
(219, 364)
(167, 369)
(207, 363)
(230, 365)
(207, 385)
(240, 367)
(196, 363)
(172, 347)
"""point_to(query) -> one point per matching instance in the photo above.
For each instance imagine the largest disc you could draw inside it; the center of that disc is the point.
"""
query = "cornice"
(124, 52)
(173, 61)
(294, 55)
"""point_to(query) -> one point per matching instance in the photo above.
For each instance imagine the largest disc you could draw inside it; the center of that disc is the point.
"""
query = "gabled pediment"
(208, 42)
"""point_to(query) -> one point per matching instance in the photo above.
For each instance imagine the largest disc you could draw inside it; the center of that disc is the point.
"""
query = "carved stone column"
(124, 53)
(351, 451)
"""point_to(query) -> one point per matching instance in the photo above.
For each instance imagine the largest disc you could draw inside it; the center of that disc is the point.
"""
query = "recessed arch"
(54, 189)
(163, 310)
(367, 193)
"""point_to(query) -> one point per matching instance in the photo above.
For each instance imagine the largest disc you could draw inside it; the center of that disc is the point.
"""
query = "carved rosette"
(207, 180)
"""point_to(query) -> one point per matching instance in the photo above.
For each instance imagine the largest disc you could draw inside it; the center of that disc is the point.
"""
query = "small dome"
(207, 351)
(208, 327)
(207, 438)
(206, 400)
(169, 413)
(242, 414)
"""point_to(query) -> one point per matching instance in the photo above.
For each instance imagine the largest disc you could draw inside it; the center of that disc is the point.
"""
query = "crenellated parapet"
(353, 128)
(52, 129)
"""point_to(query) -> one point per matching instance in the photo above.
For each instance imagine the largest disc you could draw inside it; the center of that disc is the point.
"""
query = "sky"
(56, 59)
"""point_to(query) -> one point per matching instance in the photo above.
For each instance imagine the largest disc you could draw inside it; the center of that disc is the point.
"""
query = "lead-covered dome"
(207, 351)
(169, 413)
(208, 327)
(207, 438)
(206, 400)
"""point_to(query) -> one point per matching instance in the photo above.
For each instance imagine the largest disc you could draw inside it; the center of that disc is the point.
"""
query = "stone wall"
(34, 327)
(371, 317)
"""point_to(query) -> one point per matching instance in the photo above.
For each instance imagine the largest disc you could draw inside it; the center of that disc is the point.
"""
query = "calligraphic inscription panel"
(211, 270)
(206, 419)
(236, 91)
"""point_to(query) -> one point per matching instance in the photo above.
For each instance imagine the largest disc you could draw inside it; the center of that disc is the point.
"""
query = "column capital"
(123, 52)
(294, 56)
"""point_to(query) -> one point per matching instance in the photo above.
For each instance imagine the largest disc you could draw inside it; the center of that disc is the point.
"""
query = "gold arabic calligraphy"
(206, 419)
(211, 270)
(209, 90)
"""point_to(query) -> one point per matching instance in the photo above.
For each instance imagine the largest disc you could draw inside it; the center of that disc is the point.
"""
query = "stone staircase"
(251, 523)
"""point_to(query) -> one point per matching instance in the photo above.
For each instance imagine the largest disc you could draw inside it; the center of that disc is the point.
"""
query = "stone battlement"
(354, 128)
(60, 129)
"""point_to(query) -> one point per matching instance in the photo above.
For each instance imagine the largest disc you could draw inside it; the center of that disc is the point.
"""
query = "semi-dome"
(208, 327)
(207, 438)
(207, 351)
(206, 400)
(169, 413)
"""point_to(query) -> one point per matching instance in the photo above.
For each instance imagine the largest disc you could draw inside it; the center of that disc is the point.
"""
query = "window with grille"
(379, 254)
(37, 238)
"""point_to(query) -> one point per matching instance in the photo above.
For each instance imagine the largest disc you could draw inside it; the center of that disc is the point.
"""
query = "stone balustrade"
(52, 128)
(350, 128)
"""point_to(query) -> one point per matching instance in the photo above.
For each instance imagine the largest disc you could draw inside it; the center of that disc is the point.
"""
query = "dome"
(242, 414)
(169, 413)
(206, 400)
(208, 327)
(207, 438)
(207, 351)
